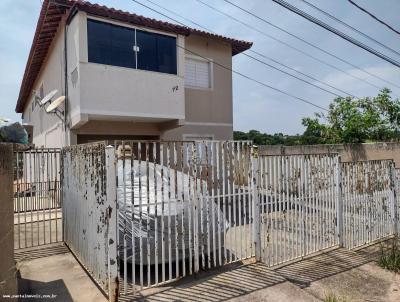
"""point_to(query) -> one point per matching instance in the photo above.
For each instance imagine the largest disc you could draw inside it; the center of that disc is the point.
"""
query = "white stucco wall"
(47, 128)
(109, 91)
(118, 93)
(100, 92)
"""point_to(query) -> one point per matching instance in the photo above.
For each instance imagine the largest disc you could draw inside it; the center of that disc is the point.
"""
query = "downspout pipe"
(72, 12)
(66, 80)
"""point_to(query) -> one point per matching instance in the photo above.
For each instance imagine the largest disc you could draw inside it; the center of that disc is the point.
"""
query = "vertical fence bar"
(188, 150)
(17, 190)
(207, 200)
(213, 204)
(339, 203)
(393, 187)
(221, 224)
(112, 224)
(256, 203)
(195, 207)
(162, 212)
(156, 251)
(183, 220)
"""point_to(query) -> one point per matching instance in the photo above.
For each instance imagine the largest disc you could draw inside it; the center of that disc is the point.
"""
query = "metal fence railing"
(368, 201)
(183, 207)
(37, 198)
(299, 196)
(152, 212)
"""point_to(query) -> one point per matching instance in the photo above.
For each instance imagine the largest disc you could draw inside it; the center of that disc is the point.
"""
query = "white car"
(163, 196)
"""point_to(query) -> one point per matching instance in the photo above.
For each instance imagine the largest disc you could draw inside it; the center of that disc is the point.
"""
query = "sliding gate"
(183, 207)
(369, 203)
(159, 211)
(298, 199)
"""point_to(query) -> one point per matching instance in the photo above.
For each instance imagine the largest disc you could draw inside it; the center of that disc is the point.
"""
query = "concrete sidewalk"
(351, 275)
(54, 271)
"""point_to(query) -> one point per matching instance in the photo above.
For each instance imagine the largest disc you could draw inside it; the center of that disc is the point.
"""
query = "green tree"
(351, 120)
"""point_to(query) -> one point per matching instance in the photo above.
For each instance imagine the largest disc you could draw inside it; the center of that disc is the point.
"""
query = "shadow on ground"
(245, 279)
(223, 286)
(325, 265)
(237, 281)
(54, 290)
(40, 252)
(48, 291)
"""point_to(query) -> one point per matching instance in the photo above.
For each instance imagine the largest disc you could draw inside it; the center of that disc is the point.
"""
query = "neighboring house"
(128, 77)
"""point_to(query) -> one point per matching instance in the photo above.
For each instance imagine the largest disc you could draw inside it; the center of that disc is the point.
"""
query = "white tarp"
(166, 203)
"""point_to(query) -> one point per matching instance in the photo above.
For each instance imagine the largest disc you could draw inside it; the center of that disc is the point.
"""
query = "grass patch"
(334, 298)
(390, 258)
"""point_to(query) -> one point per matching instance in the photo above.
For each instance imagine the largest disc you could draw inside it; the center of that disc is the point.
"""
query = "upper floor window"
(197, 73)
(127, 47)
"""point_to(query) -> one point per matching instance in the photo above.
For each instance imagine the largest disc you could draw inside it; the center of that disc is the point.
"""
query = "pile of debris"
(12, 132)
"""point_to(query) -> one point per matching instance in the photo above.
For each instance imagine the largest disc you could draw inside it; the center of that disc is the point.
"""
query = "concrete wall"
(353, 152)
(8, 283)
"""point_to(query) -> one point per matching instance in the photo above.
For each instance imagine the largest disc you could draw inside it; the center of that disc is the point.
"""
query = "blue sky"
(255, 107)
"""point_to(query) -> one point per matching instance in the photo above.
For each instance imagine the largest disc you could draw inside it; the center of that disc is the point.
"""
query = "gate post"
(339, 205)
(256, 202)
(8, 280)
(394, 186)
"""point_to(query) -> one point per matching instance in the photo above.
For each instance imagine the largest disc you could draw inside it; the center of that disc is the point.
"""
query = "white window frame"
(210, 69)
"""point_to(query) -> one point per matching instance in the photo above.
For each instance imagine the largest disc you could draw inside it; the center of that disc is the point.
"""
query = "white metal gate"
(368, 201)
(37, 198)
(90, 210)
(183, 207)
(159, 211)
(299, 197)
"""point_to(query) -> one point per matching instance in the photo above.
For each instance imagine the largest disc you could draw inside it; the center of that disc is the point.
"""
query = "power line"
(289, 74)
(231, 69)
(261, 55)
(337, 32)
(350, 27)
(300, 39)
(302, 73)
(254, 80)
(374, 17)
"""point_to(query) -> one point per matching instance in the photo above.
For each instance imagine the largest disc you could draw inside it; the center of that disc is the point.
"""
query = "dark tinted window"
(111, 44)
(156, 52)
(114, 45)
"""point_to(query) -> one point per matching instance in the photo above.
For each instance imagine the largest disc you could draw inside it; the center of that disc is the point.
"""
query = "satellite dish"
(53, 106)
(48, 97)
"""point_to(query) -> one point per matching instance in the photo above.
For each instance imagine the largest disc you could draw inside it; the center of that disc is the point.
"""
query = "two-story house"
(125, 76)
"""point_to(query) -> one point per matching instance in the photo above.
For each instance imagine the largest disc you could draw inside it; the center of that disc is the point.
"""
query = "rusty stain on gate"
(90, 210)
(153, 212)
(299, 197)
(369, 201)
